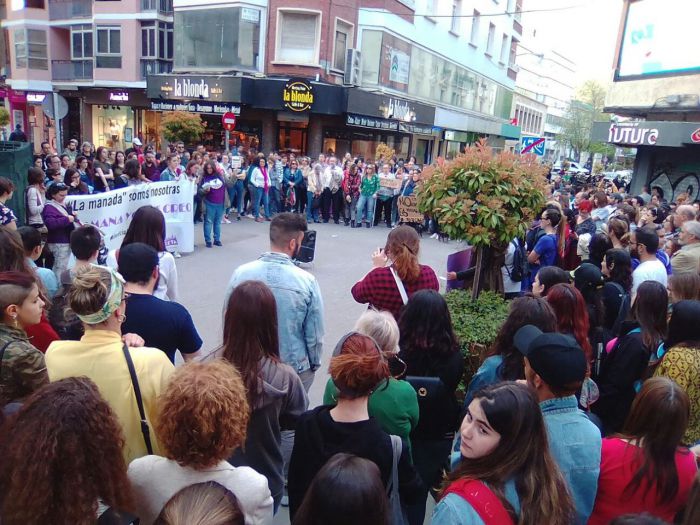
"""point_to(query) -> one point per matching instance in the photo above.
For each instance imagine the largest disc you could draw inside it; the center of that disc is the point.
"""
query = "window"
(489, 42)
(219, 38)
(81, 42)
(35, 4)
(513, 52)
(298, 37)
(430, 9)
(474, 37)
(109, 52)
(456, 13)
(343, 41)
(148, 40)
(504, 49)
(30, 49)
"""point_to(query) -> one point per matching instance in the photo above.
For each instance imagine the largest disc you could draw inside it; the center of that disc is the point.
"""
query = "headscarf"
(114, 299)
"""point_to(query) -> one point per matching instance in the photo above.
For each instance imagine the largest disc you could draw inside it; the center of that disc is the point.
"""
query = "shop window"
(456, 16)
(490, 41)
(215, 38)
(343, 41)
(298, 37)
(30, 49)
(81, 42)
(109, 54)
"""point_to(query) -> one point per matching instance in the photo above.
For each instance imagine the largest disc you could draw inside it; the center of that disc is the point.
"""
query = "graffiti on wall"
(674, 180)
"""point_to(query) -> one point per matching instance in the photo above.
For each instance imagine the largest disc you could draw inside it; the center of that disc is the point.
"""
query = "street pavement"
(343, 256)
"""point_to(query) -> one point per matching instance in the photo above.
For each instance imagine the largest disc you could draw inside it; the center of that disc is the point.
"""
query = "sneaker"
(238, 218)
(208, 245)
(177, 255)
(217, 243)
(259, 219)
(225, 221)
(285, 501)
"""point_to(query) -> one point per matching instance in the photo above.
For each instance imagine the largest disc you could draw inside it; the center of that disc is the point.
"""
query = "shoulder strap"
(2, 351)
(399, 285)
(396, 447)
(145, 430)
(482, 499)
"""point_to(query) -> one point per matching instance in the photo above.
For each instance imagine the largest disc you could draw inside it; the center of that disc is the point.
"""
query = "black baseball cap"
(588, 275)
(136, 262)
(556, 358)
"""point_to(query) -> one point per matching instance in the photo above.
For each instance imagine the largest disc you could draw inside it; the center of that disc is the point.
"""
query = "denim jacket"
(575, 444)
(299, 307)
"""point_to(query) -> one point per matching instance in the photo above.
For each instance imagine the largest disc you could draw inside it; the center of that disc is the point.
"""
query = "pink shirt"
(619, 462)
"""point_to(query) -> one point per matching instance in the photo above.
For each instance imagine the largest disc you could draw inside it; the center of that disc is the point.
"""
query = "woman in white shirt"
(148, 226)
(35, 197)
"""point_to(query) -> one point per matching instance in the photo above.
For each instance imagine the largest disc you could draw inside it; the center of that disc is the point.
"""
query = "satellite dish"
(61, 106)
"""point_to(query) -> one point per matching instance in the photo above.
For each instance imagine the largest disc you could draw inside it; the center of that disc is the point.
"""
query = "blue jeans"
(311, 214)
(274, 199)
(235, 196)
(212, 216)
(365, 204)
(260, 197)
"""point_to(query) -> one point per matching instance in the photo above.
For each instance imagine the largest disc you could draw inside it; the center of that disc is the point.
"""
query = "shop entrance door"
(292, 137)
(424, 151)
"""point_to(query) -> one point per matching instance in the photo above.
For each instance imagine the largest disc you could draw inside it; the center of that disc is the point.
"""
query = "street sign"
(229, 121)
(61, 104)
(532, 145)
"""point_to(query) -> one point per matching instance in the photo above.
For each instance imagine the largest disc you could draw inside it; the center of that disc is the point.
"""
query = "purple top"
(215, 195)
(58, 225)
(151, 172)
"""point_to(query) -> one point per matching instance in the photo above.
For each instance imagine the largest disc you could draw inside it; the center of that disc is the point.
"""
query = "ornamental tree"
(180, 125)
(485, 199)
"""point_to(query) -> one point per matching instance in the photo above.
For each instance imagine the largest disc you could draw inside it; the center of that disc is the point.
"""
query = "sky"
(585, 31)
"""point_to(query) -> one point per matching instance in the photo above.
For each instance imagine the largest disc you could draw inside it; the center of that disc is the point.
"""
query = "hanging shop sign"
(118, 96)
(298, 95)
(194, 87)
(646, 133)
(35, 98)
(389, 107)
(195, 107)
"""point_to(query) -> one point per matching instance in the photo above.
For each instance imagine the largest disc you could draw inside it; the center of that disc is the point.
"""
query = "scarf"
(266, 178)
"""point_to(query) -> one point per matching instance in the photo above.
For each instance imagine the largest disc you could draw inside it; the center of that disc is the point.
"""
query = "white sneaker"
(177, 255)
(225, 221)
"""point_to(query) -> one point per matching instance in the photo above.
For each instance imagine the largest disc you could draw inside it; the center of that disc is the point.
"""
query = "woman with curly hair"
(62, 458)
(202, 418)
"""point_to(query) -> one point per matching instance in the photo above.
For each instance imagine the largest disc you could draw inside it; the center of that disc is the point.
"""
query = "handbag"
(437, 408)
(396, 512)
(145, 429)
(316, 202)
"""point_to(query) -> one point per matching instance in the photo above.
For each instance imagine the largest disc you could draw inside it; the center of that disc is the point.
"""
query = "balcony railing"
(68, 9)
(155, 67)
(164, 6)
(71, 70)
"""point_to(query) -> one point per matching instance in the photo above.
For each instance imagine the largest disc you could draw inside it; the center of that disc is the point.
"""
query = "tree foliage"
(180, 125)
(482, 198)
(580, 115)
(383, 152)
(4, 117)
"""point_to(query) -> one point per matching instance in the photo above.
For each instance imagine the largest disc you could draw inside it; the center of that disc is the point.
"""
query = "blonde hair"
(402, 246)
(382, 327)
(89, 290)
(202, 504)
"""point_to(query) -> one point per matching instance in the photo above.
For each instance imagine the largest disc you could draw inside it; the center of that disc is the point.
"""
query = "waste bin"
(15, 160)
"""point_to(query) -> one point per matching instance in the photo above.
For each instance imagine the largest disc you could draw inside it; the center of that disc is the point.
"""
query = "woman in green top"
(394, 404)
(369, 185)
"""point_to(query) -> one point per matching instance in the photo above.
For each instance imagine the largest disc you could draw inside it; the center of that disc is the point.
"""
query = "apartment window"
(34, 4)
(456, 12)
(81, 42)
(343, 41)
(489, 42)
(298, 37)
(30, 49)
(109, 52)
(430, 8)
(217, 38)
(148, 40)
(474, 37)
(504, 49)
(513, 52)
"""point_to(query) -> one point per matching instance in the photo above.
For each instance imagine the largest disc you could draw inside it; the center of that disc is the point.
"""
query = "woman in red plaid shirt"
(397, 274)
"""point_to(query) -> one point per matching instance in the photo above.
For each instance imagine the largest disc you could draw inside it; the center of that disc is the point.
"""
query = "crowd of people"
(586, 408)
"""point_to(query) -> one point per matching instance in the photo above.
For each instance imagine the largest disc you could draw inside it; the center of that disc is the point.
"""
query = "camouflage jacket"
(22, 369)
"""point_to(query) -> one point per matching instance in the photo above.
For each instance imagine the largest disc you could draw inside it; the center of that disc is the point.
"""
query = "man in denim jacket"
(555, 367)
(296, 291)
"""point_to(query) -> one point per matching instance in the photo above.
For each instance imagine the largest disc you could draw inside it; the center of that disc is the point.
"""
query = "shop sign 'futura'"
(632, 134)
(187, 88)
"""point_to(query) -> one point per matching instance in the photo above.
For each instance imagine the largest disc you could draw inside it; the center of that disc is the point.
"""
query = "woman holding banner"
(60, 222)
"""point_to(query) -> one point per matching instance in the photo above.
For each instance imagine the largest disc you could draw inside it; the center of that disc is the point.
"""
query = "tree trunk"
(478, 269)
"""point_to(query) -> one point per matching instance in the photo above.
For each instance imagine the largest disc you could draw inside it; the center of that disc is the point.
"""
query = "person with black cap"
(555, 367)
(162, 324)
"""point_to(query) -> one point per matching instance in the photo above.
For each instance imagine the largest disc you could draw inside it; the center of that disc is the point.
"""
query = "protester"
(617, 290)
(150, 167)
(202, 419)
(325, 431)
(75, 186)
(545, 251)
(60, 222)
(213, 190)
(23, 370)
(97, 297)
(35, 198)
(687, 259)
(504, 362)
(505, 465)
(260, 182)
(275, 393)
(332, 194)
(61, 458)
(645, 469)
(683, 286)
(33, 246)
(162, 324)
(572, 314)
(555, 368)
(369, 186)
(296, 291)
(148, 226)
(313, 193)
(546, 278)
(351, 190)
(584, 223)
(395, 404)
(348, 490)
(7, 216)
(598, 247)
(629, 357)
(202, 503)
(390, 286)
(103, 174)
(682, 360)
(643, 245)
(18, 135)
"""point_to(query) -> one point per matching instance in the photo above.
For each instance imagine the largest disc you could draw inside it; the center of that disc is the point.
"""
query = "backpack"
(482, 499)
(520, 268)
(61, 317)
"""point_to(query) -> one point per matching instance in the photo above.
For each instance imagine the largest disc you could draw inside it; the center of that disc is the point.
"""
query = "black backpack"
(61, 317)
(520, 268)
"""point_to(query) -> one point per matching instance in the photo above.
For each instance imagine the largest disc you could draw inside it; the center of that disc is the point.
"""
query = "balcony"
(155, 67)
(70, 70)
(69, 9)
(162, 6)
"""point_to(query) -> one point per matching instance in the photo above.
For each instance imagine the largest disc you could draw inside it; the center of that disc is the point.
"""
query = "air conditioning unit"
(351, 76)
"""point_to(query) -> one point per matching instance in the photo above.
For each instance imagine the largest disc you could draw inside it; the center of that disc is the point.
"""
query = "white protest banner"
(111, 211)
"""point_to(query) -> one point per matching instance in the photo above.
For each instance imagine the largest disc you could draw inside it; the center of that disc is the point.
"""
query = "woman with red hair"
(358, 369)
